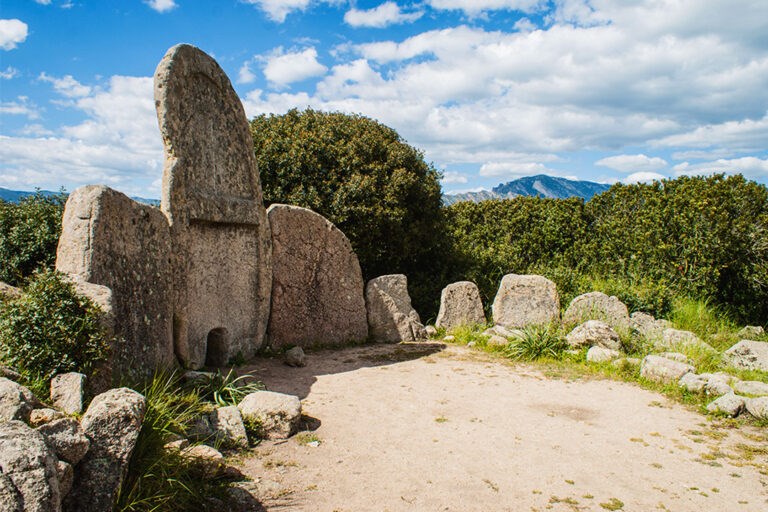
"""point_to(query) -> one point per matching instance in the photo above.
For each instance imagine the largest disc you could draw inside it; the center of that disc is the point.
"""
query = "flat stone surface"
(317, 284)
(592, 333)
(663, 369)
(602, 354)
(67, 392)
(728, 404)
(228, 427)
(16, 401)
(751, 387)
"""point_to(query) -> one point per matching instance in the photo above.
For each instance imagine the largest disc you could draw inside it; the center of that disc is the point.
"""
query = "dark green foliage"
(704, 237)
(520, 235)
(29, 232)
(365, 179)
(51, 329)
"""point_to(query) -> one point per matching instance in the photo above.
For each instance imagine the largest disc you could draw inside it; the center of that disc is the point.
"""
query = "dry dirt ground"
(428, 427)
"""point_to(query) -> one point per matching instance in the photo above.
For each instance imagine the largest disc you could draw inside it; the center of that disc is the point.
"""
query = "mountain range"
(540, 185)
(14, 196)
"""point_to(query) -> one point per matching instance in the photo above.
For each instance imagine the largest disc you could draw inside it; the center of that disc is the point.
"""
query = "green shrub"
(29, 233)
(362, 176)
(51, 329)
(224, 390)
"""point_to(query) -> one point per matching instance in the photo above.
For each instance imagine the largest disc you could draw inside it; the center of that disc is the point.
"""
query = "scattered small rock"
(430, 331)
(42, 416)
(209, 460)
(748, 355)
(176, 446)
(228, 427)
(751, 332)
(675, 338)
(67, 392)
(664, 370)
(594, 333)
(450, 338)
(494, 340)
(601, 354)
(16, 401)
(676, 356)
(749, 387)
(278, 414)
(693, 382)
(730, 404)
(758, 407)
(295, 357)
(647, 326)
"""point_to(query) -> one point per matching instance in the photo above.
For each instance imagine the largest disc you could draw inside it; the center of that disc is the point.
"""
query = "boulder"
(748, 355)
(278, 414)
(751, 332)
(758, 407)
(317, 284)
(678, 339)
(601, 354)
(717, 384)
(42, 416)
(66, 438)
(494, 340)
(67, 392)
(647, 326)
(295, 357)
(112, 423)
(221, 246)
(693, 382)
(391, 318)
(594, 333)
(524, 300)
(460, 304)
(597, 306)
(28, 476)
(430, 331)
(228, 427)
(122, 248)
(729, 404)
(751, 387)
(663, 370)
(16, 401)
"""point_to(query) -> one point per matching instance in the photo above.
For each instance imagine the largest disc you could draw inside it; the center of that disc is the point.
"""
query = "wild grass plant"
(225, 389)
(537, 342)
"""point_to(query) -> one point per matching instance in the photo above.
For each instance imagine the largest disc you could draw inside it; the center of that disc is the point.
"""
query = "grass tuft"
(537, 342)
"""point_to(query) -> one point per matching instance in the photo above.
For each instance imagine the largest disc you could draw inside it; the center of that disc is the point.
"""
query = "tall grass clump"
(224, 390)
(537, 342)
(160, 479)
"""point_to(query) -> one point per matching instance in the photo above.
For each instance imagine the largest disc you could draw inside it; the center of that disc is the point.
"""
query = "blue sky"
(490, 90)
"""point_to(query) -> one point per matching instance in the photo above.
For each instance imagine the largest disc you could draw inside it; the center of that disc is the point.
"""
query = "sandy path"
(423, 427)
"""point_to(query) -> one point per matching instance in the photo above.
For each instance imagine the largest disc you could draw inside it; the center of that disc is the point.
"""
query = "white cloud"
(66, 86)
(21, 107)
(450, 177)
(633, 163)
(739, 135)
(283, 68)
(161, 5)
(43, 2)
(12, 32)
(475, 7)
(643, 177)
(9, 73)
(118, 144)
(388, 13)
(278, 10)
(246, 74)
(513, 169)
(749, 166)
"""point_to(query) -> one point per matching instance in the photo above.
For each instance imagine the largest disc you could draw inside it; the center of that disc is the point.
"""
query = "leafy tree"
(363, 177)
(29, 233)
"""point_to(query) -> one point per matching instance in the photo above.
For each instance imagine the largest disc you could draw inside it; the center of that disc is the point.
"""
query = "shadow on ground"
(281, 378)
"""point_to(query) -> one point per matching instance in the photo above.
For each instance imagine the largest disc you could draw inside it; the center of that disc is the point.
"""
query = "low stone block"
(228, 427)
(66, 438)
(748, 355)
(602, 354)
(729, 404)
(751, 387)
(758, 407)
(594, 333)
(663, 370)
(278, 414)
(524, 300)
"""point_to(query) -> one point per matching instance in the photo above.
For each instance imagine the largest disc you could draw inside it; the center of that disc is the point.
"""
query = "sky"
(489, 90)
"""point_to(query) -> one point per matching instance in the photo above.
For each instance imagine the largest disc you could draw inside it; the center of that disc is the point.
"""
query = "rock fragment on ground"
(42, 416)
(663, 370)
(277, 413)
(594, 333)
(751, 387)
(647, 326)
(228, 427)
(66, 438)
(16, 401)
(295, 357)
(758, 407)
(751, 332)
(599, 354)
(729, 404)
(748, 355)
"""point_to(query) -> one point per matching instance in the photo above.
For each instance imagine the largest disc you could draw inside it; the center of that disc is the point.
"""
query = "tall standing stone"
(524, 300)
(317, 284)
(221, 263)
(108, 239)
(460, 304)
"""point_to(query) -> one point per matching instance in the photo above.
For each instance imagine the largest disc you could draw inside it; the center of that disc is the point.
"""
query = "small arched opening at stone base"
(217, 347)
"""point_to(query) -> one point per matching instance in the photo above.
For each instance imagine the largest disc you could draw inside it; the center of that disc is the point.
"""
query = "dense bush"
(29, 232)
(51, 329)
(365, 179)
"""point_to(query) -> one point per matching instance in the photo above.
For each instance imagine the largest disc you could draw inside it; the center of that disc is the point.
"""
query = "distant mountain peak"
(540, 185)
